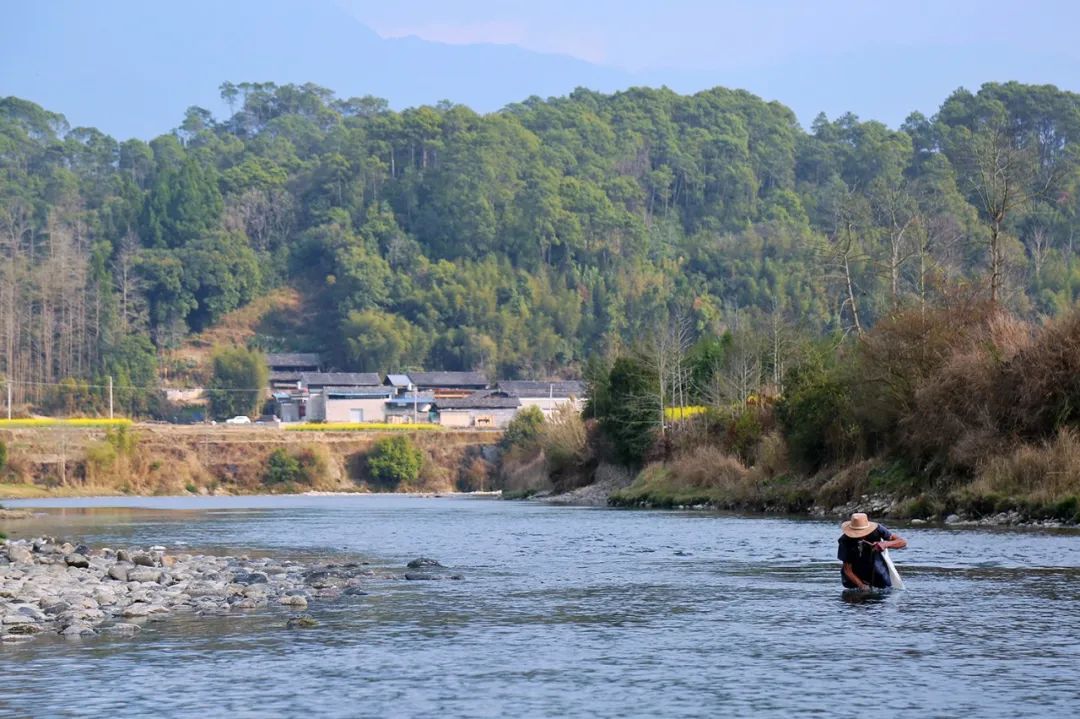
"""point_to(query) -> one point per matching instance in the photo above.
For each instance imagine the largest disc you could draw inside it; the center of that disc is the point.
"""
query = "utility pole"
(9, 399)
(110, 398)
(412, 388)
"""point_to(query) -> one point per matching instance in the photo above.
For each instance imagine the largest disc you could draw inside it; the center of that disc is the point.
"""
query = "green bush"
(284, 468)
(239, 378)
(3, 455)
(523, 428)
(395, 460)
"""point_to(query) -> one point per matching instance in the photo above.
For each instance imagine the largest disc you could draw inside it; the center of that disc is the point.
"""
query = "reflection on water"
(574, 612)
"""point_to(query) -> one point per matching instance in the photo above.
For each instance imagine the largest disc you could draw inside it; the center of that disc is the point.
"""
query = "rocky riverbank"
(75, 591)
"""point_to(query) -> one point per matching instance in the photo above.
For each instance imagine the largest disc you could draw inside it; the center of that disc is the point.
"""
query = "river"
(571, 612)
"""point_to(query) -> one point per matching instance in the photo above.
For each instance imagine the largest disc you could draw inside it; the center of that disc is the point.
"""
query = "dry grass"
(1046, 473)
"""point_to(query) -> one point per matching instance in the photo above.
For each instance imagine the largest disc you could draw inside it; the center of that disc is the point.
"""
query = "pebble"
(76, 591)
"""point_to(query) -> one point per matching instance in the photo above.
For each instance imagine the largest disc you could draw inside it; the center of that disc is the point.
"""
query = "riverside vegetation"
(959, 411)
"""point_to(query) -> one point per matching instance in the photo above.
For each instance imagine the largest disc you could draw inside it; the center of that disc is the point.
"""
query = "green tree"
(238, 382)
(632, 416)
(395, 460)
(523, 428)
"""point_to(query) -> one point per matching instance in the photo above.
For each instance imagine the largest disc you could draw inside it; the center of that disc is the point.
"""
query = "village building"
(481, 410)
(447, 385)
(410, 407)
(546, 395)
(349, 404)
(285, 368)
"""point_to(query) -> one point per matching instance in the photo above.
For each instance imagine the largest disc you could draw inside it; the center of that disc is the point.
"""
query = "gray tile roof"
(536, 388)
(341, 379)
(359, 392)
(449, 379)
(398, 380)
(293, 359)
(479, 401)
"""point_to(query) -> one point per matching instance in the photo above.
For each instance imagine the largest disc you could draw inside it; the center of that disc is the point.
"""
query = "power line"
(117, 387)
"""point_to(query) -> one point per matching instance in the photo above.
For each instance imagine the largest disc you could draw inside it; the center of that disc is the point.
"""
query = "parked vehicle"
(239, 419)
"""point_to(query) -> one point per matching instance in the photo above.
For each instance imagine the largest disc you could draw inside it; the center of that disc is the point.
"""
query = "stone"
(13, 619)
(125, 628)
(77, 630)
(77, 560)
(250, 578)
(304, 621)
(293, 600)
(143, 560)
(123, 555)
(354, 592)
(423, 562)
(119, 572)
(144, 574)
(139, 609)
(419, 576)
(952, 519)
(19, 554)
(24, 629)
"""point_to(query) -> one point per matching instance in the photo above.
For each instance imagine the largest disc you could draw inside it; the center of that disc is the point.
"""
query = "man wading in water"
(860, 551)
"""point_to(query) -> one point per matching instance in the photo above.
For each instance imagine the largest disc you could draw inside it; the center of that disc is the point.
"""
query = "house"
(286, 368)
(315, 381)
(545, 395)
(410, 407)
(349, 404)
(482, 410)
(448, 385)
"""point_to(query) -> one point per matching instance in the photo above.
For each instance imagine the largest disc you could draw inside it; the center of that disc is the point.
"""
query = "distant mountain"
(130, 68)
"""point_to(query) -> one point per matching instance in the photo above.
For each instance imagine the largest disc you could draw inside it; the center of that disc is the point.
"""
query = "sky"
(132, 67)
(885, 58)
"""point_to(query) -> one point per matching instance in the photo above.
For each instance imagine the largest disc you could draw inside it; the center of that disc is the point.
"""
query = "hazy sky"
(727, 35)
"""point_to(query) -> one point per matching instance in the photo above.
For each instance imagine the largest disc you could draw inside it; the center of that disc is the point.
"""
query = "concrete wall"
(340, 410)
(547, 405)
(478, 418)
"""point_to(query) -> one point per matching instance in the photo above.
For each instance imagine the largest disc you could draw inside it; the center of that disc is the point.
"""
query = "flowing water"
(572, 612)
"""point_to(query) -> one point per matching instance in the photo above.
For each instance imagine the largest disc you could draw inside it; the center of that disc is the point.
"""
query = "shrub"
(564, 439)
(282, 468)
(395, 460)
(523, 428)
(3, 455)
(816, 415)
(238, 380)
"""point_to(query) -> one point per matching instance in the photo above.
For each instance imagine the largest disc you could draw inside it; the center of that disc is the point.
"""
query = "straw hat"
(858, 526)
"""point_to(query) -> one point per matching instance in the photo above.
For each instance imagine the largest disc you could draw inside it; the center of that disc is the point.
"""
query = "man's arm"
(895, 542)
(850, 574)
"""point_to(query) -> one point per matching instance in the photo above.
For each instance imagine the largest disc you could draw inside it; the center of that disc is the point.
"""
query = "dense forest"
(524, 241)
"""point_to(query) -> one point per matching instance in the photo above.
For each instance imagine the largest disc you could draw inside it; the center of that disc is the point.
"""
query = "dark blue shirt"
(865, 561)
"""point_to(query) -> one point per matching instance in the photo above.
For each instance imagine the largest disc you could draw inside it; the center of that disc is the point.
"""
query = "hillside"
(522, 242)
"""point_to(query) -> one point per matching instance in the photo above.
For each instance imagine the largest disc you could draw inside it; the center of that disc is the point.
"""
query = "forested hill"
(523, 241)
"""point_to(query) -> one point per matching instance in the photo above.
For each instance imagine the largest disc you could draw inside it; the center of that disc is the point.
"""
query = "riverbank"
(50, 586)
(155, 459)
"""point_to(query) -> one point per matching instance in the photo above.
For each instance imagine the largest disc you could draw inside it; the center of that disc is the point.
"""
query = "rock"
(77, 630)
(354, 592)
(293, 600)
(123, 555)
(952, 519)
(304, 621)
(19, 554)
(423, 562)
(77, 560)
(918, 521)
(119, 572)
(124, 628)
(168, 560)
(139, 609)
(24, 629)
(13, 619)
(143, 560)
(250, 578)
(144, 574)
(82, 549)
(419, 576)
